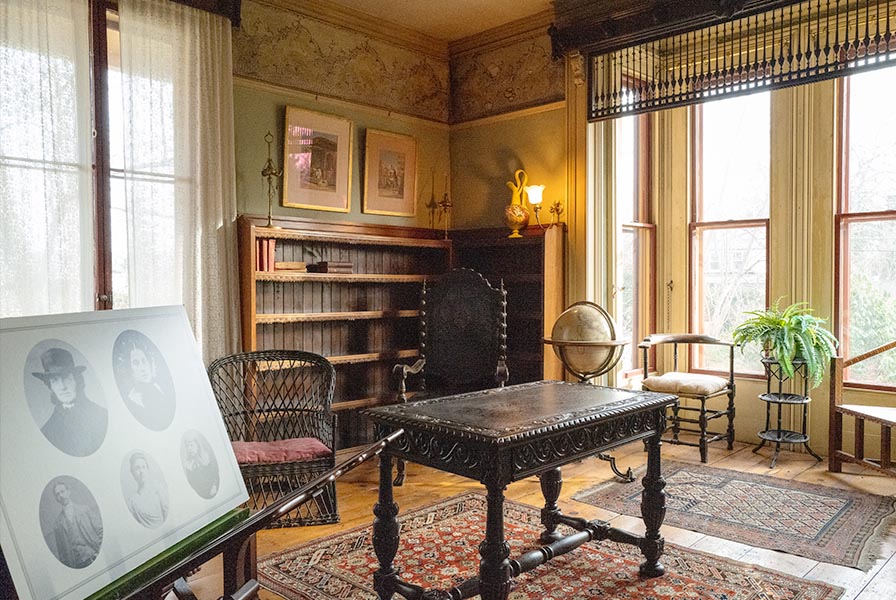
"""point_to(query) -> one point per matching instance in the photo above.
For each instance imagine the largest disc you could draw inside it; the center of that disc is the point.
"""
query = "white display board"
(112, 448)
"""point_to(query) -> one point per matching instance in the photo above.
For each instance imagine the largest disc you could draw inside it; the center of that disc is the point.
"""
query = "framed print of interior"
(390, 174)
(317, 160)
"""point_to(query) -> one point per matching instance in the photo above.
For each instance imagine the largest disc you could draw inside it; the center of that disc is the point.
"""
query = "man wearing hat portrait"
(77, 425)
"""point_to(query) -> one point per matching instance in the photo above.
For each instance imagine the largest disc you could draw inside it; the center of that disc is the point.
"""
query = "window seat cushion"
(280, 451)
(691, 384)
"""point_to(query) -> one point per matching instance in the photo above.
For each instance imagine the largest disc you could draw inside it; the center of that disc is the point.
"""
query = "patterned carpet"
(438, 549)
(826, 524)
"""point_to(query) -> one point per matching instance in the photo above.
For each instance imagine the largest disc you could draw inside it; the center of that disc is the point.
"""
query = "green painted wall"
(485, 155)
(259, 108)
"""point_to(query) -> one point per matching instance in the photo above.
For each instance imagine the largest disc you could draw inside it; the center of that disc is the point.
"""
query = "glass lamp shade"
(535, 193)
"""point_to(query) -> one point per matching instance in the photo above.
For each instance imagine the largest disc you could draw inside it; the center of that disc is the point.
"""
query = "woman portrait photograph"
(199, 463)
(143, 380)
(65, 398)
(144, 489)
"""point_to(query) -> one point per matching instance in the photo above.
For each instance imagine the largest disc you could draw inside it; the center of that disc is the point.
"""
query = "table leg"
(551, 483)
(494, 568)
(653, 510)
(385, 532)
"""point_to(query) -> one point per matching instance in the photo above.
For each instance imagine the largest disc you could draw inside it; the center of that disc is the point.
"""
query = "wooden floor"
(357, 493)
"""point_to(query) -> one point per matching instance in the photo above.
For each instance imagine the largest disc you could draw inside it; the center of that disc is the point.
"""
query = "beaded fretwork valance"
(789, 45)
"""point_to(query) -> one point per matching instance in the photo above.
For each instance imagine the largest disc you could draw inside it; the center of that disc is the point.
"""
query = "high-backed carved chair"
(276, 406)
(463, 339)
(701, 387)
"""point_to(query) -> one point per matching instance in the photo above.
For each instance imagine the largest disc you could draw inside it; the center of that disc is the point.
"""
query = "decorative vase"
(516, 216)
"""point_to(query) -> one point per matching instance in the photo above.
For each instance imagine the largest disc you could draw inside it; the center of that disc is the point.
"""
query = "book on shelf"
(264, 254)
(296, 266)
(329, 266)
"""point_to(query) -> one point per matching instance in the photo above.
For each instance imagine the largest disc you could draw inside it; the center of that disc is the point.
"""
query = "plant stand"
(775, 394)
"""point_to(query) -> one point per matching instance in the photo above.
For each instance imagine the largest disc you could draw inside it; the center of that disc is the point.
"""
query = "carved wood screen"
(788, 45)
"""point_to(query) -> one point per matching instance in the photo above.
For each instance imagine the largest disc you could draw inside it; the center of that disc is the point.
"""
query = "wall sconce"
(535, 193)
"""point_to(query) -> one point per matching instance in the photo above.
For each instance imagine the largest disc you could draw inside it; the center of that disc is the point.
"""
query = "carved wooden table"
(503, 435)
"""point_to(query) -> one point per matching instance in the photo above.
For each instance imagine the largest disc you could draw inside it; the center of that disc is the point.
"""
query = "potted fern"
(788, 336)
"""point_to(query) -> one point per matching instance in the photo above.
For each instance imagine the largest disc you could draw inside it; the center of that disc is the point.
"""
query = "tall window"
(116, 160)
(634, 238)
(729, 218)
(867, 228)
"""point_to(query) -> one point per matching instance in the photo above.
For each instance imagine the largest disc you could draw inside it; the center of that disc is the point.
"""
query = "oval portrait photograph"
(65, 397)
(70, 521)
(143, 380)
(199, 463)
(144, 489)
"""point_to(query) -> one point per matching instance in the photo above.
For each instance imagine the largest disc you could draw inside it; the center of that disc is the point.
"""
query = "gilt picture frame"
(317, 155)
(390, 174)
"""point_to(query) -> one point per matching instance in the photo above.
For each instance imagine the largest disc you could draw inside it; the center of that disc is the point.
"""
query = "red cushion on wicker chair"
(280, 451)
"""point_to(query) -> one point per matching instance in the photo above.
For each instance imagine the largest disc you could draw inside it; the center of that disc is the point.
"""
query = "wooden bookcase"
(532, 269)
(363, 322)
(366, 321)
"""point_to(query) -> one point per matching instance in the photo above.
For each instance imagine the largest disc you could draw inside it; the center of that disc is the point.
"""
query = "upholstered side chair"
(714, 395)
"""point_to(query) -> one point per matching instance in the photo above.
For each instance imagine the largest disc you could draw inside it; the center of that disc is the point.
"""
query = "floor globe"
(584, 339)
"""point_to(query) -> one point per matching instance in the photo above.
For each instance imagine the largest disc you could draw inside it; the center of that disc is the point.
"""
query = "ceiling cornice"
(356, 21)
(506, 34)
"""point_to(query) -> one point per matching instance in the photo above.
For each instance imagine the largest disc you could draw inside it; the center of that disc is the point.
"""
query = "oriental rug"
(438, 549)
(826, 524)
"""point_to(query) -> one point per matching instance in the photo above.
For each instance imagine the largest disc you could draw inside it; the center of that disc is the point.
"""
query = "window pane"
(626, 199)
(872, 129)
(145, 245)
(732, 276)
(871, 302)
(46, 233)
(626, 292)
(736, 151)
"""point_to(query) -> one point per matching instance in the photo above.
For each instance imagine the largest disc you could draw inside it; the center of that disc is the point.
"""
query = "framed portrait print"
(317, 160)
(102, 416)
(390, 174)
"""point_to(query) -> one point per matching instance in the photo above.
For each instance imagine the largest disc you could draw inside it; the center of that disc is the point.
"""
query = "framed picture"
(317, 161)
(390, 174)
(106, 421)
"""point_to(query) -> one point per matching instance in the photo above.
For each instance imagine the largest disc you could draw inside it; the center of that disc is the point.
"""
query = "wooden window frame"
(695, 227)
(643, 225)
(842, 219)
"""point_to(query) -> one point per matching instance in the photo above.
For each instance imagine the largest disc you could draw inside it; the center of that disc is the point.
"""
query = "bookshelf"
(367, 320)
(363, 321)
(532, 269)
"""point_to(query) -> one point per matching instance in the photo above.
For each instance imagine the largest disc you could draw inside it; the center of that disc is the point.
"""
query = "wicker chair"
(276, 406)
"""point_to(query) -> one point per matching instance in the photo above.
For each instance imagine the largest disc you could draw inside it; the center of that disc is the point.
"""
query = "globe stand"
(587, 359)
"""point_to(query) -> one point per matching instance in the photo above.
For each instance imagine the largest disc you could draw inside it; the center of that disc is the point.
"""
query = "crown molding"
(504, 35)
(356, 21)
(508, 116)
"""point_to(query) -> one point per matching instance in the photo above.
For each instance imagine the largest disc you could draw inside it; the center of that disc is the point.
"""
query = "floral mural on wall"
(296, 51)
(502, 79)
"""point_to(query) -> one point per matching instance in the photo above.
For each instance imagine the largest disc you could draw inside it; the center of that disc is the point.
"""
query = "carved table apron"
(503, 435)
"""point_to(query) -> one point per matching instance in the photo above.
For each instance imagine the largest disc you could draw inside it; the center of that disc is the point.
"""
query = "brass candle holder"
(271, 173)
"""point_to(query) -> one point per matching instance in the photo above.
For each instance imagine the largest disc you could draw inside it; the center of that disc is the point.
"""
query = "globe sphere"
(585, 322)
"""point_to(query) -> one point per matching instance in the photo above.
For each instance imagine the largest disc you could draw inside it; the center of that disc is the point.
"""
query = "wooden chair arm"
(402, 371)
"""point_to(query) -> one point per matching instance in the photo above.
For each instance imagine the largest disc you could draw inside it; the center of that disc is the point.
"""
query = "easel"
(232, 536)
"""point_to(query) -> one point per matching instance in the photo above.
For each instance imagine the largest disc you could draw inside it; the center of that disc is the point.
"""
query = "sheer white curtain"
(174, 199)
(46, 202)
